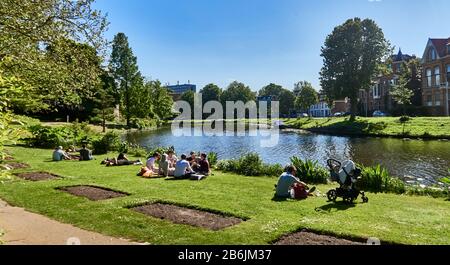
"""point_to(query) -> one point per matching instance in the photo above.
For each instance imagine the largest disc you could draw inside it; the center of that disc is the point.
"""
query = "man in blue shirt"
(183, 168)
(287, 181)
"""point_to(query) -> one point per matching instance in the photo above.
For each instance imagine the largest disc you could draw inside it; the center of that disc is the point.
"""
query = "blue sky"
(258, 41)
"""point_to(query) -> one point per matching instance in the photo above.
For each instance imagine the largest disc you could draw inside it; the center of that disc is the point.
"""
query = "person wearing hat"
(59, 154)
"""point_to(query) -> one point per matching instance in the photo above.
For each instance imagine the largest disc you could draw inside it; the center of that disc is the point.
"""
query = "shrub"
(227, 165)
(161, 150)
(273, 170)
(377, 179)
(212, 158)
(132, 149)
(310, 171)
(66, 136)
(141, 124)
(110, 141)
(250, 165)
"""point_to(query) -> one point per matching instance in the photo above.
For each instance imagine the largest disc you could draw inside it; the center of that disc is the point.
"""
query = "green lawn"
(426, 127)
(392, 218)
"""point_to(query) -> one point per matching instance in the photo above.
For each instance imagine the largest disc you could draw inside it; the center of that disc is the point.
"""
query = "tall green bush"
(249, 165)
(377, 179)
(111, 141)
(310, 171)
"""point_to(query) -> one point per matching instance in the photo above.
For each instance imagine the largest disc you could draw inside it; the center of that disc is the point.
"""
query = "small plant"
(377, 179)
(161, 150)
(212, 159)
(310, 171)
(250, 165)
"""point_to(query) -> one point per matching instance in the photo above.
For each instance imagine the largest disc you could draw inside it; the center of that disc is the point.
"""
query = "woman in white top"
(151, 162)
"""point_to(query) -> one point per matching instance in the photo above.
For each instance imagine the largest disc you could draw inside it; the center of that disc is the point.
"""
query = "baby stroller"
(346, 174)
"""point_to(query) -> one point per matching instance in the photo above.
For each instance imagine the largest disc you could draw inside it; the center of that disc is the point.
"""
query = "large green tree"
(306, 96)
(352, 54)
(237, 91)
(124, 68)
(44, 44)
(211, 92)
(285, 97)
(161, 100)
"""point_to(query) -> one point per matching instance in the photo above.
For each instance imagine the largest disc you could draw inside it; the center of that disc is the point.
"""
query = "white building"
(320, 109)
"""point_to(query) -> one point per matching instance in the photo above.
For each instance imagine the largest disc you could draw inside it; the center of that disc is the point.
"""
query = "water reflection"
(429, 160)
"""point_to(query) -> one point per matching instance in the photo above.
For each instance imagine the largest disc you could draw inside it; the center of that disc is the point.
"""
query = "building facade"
(378, 96)
(436, 76)
(178, 90)
(321, 109)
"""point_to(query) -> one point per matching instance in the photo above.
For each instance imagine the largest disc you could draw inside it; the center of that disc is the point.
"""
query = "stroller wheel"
(348, 200)
(332, 195)
(365, 199)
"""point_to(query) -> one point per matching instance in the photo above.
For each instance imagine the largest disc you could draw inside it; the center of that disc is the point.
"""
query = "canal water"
(415, 161)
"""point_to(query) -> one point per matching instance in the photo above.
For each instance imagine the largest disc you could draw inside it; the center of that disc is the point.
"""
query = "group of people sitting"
(170, 166)
(59, 154)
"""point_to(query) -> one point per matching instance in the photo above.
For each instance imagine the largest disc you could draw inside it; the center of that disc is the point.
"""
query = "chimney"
(178, 83)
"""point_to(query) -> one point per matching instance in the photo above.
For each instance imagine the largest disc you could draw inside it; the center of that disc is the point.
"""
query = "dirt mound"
(37, 176)
(309, 238)
(15, 165)
(183, 215)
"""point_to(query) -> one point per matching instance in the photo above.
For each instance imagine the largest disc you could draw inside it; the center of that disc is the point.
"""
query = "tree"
(307, 96)
(124, 68)
(401, 93)
(211, 92)
(189, 96)
(161, 100)
(104, 101)
(237, 91)
(43, 43)
(285, 97)
(352, 54)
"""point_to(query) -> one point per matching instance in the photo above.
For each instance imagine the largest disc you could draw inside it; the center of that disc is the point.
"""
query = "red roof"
(441, 46)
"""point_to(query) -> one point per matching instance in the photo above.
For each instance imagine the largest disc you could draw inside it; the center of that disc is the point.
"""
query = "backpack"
(300, 192)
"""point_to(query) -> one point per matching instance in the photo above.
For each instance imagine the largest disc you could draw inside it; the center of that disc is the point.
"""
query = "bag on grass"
(300, 192)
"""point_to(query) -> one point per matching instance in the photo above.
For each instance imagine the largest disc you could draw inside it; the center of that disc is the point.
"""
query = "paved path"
(24, 228)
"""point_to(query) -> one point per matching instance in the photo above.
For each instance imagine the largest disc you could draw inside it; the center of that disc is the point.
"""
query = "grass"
(391, 218)
(422, 127)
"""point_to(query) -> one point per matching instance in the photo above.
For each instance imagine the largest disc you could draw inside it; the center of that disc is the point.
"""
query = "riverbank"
(415, 127)
(391, 218)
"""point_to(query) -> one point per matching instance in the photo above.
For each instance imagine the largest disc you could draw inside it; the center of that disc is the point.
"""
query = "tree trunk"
(103, 120)
(353, 108)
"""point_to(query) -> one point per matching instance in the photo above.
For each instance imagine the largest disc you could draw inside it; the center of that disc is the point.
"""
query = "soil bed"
(14, 165)
(93, 193)
(37, 176)
(183, 215)
(309, 238)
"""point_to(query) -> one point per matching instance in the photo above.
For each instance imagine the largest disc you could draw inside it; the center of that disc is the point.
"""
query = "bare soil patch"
(183, 215)
(37, 176)
(16, 165)
(94, 193)
(310, 238)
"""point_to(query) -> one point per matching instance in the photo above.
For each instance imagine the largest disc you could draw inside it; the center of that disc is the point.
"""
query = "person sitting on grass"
(85, 154)
(172, 158)
(288, 181)
(183, 169)
(203, 165)
(59, 154)
(151, 162)
(165, 168)
(193, 160)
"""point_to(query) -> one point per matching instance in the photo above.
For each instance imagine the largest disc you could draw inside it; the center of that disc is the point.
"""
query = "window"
(437, 100)
(448, 73)
(376, 91)
(429, 100)
(437, 75)
(429, 77)
(448, 49)
(432, 55)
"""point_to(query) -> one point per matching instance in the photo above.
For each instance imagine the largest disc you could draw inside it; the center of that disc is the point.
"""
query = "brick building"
(378, 97)
(435, 77)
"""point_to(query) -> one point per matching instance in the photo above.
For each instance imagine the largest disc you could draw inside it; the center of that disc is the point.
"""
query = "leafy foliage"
(249, 165)
(65, 136)
(310, 171)
(212, 158)
(377, 179)
(306, 96)
(111, 141)
(352, 55)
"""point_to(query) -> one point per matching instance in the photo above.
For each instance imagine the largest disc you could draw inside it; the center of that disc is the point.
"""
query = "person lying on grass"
(288, 181)
(121, 160)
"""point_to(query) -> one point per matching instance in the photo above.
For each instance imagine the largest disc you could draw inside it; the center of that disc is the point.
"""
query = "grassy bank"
(392, 218)
(420, 127)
